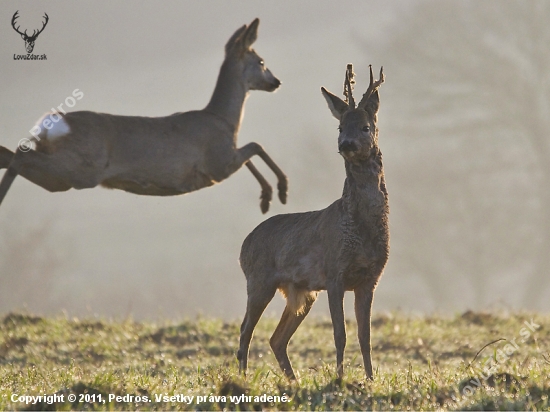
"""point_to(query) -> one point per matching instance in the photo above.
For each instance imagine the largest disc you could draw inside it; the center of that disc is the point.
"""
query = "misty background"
(464, 124)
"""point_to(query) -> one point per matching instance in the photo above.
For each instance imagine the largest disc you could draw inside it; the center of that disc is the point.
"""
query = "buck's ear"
(251, 34)
(336, 105)
(234, 39)
(373, 103)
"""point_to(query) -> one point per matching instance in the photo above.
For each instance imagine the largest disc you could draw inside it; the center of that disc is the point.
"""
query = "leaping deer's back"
(341, 248)
(159, 156)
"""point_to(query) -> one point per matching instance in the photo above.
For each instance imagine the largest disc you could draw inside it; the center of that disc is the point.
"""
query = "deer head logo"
(29, 40)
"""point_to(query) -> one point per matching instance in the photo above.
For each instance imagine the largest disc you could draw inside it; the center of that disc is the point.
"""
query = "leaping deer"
(158, 156)
(341, 248)
(29, 40)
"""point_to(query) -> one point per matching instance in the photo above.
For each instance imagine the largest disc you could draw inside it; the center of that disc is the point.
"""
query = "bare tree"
(474, 97)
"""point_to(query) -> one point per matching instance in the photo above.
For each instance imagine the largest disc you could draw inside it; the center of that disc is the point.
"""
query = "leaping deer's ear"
(234, 39)
(251, 34)
(336, 105)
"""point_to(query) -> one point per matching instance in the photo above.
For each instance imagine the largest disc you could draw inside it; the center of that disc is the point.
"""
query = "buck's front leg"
(336, 305)
(363, 307)
(251, 149)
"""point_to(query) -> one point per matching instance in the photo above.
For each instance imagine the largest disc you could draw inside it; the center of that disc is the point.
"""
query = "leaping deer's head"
(239, 50)
(358, 132)
(29, 40)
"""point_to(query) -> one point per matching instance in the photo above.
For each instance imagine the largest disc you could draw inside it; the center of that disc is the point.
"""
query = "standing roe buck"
(340, 248)
(158, 156)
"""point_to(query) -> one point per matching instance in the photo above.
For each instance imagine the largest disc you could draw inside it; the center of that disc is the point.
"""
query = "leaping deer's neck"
(229, 95)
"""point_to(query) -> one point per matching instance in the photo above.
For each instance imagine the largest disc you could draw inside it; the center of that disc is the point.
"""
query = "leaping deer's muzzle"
(275, 84)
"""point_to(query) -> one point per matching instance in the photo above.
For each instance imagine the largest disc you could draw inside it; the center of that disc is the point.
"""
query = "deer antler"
(34, 33)
(43, 26)
(348, 86)
(373, 86)
(15, 16)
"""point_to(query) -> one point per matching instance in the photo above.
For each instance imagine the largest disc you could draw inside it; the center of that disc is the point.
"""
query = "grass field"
(420, 362)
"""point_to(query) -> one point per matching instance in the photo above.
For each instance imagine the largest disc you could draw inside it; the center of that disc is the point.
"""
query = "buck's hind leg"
(258, 299)
(288, 324)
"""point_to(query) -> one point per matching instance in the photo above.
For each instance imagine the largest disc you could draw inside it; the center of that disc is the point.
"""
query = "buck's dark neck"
(365, 226)
(229, 95)
(365, 198)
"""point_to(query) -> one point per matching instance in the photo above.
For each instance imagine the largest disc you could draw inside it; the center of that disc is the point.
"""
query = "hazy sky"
(109, 252)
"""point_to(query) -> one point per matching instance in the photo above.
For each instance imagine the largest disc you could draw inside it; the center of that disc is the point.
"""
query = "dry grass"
(421, 363)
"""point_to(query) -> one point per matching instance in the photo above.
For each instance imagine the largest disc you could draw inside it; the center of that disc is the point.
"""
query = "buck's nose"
(347, 146)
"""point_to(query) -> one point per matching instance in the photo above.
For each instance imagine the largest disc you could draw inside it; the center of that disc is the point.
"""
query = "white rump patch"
(51, 126)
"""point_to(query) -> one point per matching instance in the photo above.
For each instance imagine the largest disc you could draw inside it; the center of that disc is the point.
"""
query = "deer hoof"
(283, 190)
(265, 200)
(264, 205)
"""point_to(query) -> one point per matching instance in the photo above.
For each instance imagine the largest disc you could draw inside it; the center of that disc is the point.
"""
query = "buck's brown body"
(344, 247)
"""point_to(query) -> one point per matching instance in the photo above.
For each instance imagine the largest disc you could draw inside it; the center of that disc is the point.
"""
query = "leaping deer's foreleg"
(251, 149)
(267, 191)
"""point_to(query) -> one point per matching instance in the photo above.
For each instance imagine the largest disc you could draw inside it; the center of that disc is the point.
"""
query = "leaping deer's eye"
(340, 129)
(261, 63)
(366, 129)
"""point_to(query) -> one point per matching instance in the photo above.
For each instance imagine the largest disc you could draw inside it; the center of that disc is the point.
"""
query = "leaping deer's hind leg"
(5, 157)
(55, 172)
(10, 174)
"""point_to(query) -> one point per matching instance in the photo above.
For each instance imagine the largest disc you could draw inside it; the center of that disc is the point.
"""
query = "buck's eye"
(261, 63)
(366, 129)
(340, 129)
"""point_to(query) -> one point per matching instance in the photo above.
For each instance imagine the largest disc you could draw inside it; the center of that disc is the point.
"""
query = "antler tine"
(373, 86)
(371, 77)
(43, 24)
(14, 18)
(348, 86)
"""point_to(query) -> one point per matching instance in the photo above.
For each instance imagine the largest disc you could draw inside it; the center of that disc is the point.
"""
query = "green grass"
(420, 363)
